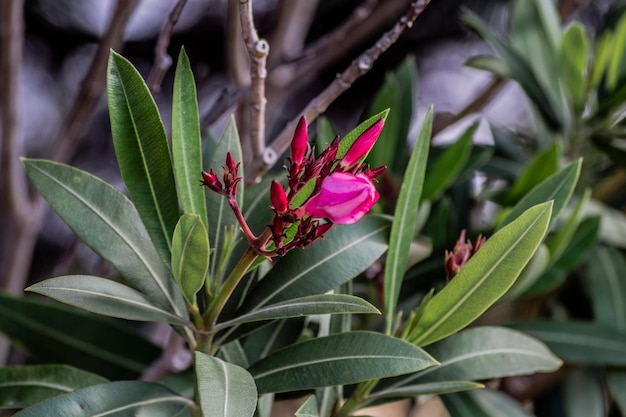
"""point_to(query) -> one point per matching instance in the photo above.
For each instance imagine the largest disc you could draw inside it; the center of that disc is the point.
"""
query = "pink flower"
(343, 198)
(362, 145)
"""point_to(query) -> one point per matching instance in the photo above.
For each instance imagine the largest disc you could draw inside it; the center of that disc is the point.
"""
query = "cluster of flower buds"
(462, 252)
(321, 192)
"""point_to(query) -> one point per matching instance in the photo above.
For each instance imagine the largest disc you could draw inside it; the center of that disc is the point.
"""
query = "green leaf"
(190, 255)
(405, 216)
(23, 386)
(345, 252)
(224, 389)
(108, 223)
(584, 395)
(103, 296)
(485, 278)
(351, 137)
(616, 380)
(483, 403)
(573, 64)
(607, 287)
(123, 398)
(445, 169)
(339, 359)
(306, 306)
(406, 73)
(617, 63)
(562, 239)
(493, 64)
(308, 408)
(601, 56)
(427, 388)
(325, 133)
(186, 139)
(387, 97)
(558, 187)
(218, 211)
(612, 223)
(579, 342)
(303, 195)
(142, 152)
(54, 333)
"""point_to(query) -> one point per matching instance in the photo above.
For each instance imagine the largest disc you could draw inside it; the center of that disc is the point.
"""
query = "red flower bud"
(463, 250)
(210, 180)
(321, 229)
(362, 145)
(299, 142)
(278, 197)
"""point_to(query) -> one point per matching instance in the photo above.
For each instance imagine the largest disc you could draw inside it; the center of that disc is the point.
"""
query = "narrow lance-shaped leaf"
(405, 216)
(190, 255)
(103, 296)
(142, 152)
(483, 403)
(584, 394)
(387, 97)
(25, 385)
(128, 398)
(485, 278)
(224, 389)
(186, 139)
(343, 358)
(607, 287)
(103, 218)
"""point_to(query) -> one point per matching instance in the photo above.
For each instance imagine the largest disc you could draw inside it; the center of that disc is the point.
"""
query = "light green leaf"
(485, 278)
(617, 63)
(108, 223)
(308, 408)
(190, 255)
(583, 394)
(616, 380)
(405, 216)
(339, 359)
(483, 403)
(225, 390)
(579, 342)
(347, 141)
(573, 64)
(607, 287)
(103, 296)
(122, 398)
(304, 194)
(344, 252)
(54, 333)
(531, 273)
(25, 385)
(142, 152)
(447, 167)
(426, 388)
(186, 139)
(493, 64)
(558, 187)
(601, 56)
(305, 306)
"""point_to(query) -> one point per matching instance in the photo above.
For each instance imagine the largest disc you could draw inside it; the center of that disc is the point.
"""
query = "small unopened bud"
(210, 180)
(321, 229)
(299, 142)
(278, 197)
(463, 250)
(362, 145)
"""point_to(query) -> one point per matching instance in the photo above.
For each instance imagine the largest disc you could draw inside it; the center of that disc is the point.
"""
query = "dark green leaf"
(23, 386)
(225, 390)
(406, 73)
(387, 97)
(579, 342)
(186, 142)
(344, 358)
(54, 333)
(142, 152)
(483, 403)
(427, 388)
(616, 380)
(190, 255)
(607, 287)
(123, 398)
(103, 296)
(405, 216)
(485, 278)
(108, 223)
(584, 394)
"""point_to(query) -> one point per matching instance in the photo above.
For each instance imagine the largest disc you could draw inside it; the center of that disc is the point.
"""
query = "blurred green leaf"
(347, 141)
(483, 403)
(616, 380)
(563, 238)
(405, 216)
(406, 73)
(579, 342)
(448, 165)
(601, 56)
(573, 64)
(426, 388)
(186, 141)
(557, 187)
(490, 63)
(325, 134)
(344, 252)
(190, 255)
(607, 287)
(485, 278)
(339, 359)
(103, 296)
(617, 64)
(584, 394)
(308, 408)
(142, 152)
(108, 223)
(612, 223)
(224, 389)
(387, 97)
(25, 385)
(54, 333)
(122, 398)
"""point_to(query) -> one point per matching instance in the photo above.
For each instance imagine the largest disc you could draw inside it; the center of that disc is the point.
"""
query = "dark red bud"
(278, 197)
(375, 172)
(230, 164)
(299, 142)
(210, 180)
(322, 229)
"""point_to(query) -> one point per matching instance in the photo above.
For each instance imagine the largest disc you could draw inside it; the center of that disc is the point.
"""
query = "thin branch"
(319, 104)
(258, 49)
(93, 83)
(162, 60)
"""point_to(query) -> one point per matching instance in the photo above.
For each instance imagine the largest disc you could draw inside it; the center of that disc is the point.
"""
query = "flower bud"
(210, 180)
(362, 145)
(463, 250)
(299, 142)
(278, 197)
(343, 198)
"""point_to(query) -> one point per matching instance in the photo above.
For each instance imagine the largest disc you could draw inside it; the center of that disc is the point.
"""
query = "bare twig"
(93, 83)
(162, 60)
(319, 104)
(258, 49)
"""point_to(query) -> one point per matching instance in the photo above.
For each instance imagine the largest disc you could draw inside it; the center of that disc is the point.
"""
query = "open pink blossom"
(343, 198)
